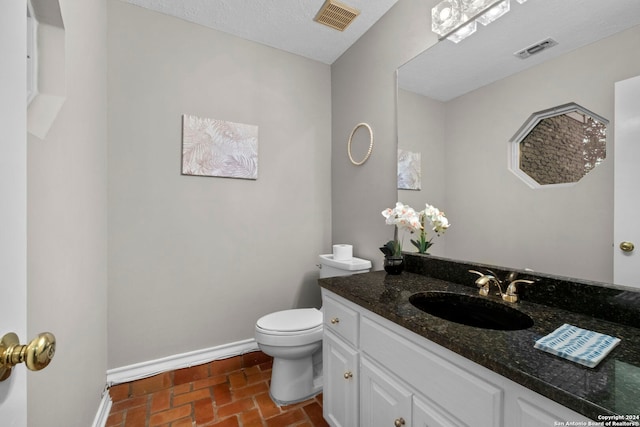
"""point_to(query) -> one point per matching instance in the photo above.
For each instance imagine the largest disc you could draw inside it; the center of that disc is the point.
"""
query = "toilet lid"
(299, 319)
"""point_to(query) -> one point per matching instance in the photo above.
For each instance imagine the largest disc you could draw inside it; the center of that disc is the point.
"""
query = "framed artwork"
(219, 148)
(409, 177)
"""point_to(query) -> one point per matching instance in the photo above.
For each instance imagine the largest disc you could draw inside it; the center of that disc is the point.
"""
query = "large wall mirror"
(460, 104)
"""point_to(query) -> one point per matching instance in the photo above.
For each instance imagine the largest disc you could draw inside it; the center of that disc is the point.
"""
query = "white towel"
(582, 346)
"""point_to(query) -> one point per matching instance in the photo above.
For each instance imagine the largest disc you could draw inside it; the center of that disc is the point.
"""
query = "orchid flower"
(439, 223)
(402, 217)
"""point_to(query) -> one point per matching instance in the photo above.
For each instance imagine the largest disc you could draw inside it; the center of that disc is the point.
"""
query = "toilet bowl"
(294, 339)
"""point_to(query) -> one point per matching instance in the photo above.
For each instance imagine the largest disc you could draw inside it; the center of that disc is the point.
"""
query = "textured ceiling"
(282, 24)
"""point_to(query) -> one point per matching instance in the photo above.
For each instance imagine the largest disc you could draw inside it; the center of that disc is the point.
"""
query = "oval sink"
(471, 310)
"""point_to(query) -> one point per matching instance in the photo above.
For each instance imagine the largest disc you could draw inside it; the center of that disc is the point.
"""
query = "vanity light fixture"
(455, 20)
(446, 16)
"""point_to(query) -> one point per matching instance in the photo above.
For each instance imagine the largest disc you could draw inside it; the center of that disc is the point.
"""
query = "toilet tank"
(330, 267)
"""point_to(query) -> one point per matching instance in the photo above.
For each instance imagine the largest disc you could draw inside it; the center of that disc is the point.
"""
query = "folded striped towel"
(582, 346)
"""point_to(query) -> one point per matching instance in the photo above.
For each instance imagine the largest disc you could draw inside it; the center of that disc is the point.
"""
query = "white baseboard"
(103, 411)
(153, 367)
(178, 361)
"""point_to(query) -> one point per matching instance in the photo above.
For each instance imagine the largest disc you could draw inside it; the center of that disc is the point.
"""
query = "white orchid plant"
(404, 217)
(439, 224)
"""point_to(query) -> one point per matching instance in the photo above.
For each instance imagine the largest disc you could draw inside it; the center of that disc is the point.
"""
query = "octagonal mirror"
(558, 146)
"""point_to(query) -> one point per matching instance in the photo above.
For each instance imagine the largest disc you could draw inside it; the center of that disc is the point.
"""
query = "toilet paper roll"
(342, 252)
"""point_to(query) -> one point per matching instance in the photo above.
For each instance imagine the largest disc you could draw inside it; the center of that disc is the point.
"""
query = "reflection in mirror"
(409, 177)
(559, 146)
(459, 105)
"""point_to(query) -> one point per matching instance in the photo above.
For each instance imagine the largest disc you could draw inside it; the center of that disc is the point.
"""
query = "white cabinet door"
(529, 409)
(340, 372)
(424, 415)
(384, 402)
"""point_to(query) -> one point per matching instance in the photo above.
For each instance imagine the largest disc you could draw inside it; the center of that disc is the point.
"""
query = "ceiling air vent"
(536, 48)
(336, 15)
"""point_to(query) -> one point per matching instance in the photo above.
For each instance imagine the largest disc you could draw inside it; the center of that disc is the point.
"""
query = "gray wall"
(363, 88)
(67, 231)
(195, 261)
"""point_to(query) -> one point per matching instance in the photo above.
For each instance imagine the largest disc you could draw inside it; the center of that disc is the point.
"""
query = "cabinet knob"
(335, 320)
(399, 422)
(348, 375)
(627, 246)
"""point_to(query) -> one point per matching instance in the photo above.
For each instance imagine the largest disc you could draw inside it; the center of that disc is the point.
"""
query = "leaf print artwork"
(219, 148)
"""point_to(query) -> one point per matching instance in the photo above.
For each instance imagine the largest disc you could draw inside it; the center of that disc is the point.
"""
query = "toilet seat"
(291, 322)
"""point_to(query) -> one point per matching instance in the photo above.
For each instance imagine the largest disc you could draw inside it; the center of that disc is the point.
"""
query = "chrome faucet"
(485, 280)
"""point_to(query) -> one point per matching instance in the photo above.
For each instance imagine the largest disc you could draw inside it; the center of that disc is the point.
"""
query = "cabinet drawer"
(458, 391)
(340, 319)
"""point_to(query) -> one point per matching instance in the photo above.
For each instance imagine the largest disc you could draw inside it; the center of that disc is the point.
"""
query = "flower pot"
(393, 264)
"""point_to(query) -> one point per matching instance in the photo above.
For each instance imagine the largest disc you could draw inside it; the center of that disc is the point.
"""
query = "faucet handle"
(513, 283)
(482, 282)
(511, 293)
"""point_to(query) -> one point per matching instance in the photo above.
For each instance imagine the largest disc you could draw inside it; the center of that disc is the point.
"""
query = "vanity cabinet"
(386, 402)
(403, 379)
(340, 364)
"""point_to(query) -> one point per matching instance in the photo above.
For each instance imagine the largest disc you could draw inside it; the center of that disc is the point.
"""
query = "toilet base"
(317, 391)
(295, 380)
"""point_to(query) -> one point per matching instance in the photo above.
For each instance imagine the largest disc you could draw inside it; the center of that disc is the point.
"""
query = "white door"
(626, 264)
(13, 200)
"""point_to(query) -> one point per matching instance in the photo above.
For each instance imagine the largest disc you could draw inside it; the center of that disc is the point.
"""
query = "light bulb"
(472, 7)
(494, 13)
(463, 32)
(445, 16)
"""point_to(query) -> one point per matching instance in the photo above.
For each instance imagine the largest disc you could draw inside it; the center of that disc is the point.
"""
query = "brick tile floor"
(232, 392)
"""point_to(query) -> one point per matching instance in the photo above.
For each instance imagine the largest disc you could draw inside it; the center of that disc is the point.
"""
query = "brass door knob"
(627, 246)
(335, 320)
(348, 375)
(36, 355)
(399, 422)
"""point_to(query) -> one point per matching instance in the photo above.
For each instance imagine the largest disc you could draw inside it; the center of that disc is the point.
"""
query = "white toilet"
(294, 339)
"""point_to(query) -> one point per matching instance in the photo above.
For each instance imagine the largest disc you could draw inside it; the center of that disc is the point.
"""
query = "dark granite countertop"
(611, 388)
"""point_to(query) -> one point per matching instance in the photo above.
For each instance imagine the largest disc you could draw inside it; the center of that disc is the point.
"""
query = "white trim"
(103, 411)
(513, 154)
(147, 369)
